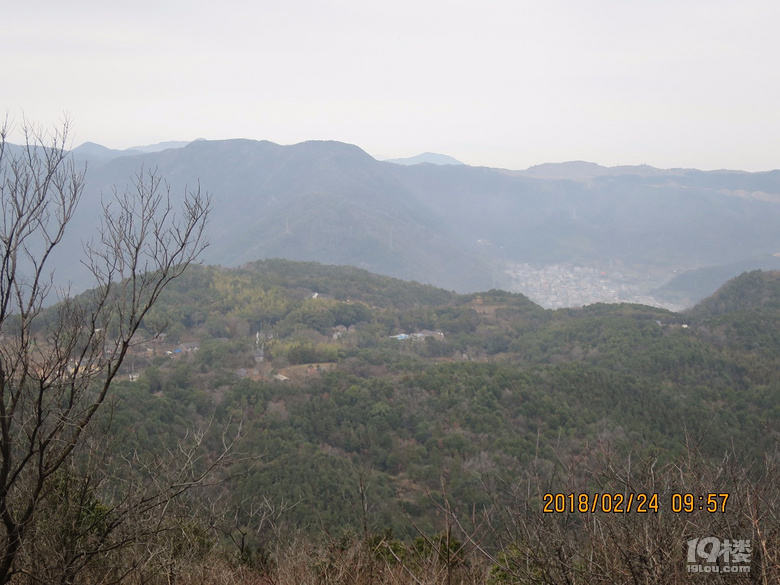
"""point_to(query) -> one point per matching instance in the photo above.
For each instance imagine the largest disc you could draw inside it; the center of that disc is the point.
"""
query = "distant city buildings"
(566, 285)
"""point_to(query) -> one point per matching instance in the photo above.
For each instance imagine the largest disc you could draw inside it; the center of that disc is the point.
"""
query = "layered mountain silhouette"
(454, 226)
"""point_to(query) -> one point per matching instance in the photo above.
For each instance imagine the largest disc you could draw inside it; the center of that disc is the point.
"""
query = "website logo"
(712, 555)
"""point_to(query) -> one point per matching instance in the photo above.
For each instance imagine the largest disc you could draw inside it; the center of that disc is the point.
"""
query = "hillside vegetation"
(484, 405)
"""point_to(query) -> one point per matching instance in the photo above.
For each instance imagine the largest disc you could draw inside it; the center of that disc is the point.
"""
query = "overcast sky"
(683, 83)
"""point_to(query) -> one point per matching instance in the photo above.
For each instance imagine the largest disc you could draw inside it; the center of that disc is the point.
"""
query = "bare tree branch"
(57, 365)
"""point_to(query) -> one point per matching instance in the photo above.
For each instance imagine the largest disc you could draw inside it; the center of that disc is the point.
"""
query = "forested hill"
(752, 291)
(340, 374)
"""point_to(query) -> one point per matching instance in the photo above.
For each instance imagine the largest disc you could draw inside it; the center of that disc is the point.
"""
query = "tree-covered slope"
(492, 384)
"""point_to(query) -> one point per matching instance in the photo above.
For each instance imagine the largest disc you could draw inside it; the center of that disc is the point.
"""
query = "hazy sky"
(497, 83)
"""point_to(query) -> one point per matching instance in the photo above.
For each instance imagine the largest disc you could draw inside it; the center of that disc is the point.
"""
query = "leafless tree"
(57, 364)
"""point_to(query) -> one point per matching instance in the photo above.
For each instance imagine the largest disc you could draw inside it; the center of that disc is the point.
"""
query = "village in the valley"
(566, 285)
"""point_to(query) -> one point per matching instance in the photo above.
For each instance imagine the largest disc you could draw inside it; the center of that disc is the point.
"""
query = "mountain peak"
(583, 170)
(92, 149)
(161, 146)
(426, 157)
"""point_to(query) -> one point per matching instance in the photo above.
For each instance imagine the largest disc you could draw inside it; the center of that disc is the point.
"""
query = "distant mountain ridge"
(453, 226)
(161, 146)
(324, 201)
(426, 157)
(91, 149)
(581, 170)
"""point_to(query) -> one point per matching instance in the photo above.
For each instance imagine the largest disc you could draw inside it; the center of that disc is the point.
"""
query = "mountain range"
(452, 225)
